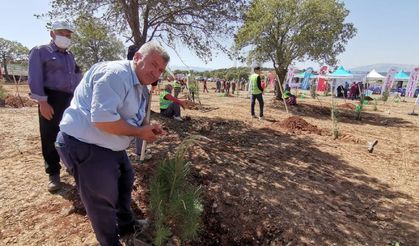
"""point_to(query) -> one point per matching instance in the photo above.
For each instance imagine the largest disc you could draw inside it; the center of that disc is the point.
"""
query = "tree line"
(280, 32)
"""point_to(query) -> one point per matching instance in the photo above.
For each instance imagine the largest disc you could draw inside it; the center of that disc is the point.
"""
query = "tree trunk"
(6, 73)
(281, 72)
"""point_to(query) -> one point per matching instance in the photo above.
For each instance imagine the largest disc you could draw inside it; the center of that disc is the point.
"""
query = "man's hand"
(184, 104)
(158, 130)
(150, 133)
(46, 110)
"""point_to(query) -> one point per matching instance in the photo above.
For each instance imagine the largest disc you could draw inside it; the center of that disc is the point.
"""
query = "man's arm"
(183, 104)
(36, 76)
(259, 83)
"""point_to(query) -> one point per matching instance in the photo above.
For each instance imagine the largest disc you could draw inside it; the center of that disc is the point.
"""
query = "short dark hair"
(131, 51)
(256, 69)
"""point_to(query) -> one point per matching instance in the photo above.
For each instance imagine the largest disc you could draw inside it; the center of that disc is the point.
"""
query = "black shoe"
(137, 226)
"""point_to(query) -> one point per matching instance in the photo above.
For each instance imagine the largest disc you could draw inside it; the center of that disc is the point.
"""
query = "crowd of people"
(353, 92)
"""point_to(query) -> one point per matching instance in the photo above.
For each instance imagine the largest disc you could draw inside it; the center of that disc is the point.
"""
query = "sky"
(388, 32)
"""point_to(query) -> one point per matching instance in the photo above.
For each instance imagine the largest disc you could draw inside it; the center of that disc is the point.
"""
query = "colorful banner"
(306, 81)
(290, 76)
(411, 85)
(388, 83)
(272, 78)
(322, 83)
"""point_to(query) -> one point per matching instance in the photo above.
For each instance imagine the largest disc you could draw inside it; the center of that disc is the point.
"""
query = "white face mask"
(62, 42)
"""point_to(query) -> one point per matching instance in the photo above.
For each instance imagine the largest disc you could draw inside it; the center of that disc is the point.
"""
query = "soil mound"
(349, 106)
(18, 102)
(297, 124)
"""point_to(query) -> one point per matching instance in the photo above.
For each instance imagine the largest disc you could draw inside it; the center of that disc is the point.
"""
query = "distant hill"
(382, 67)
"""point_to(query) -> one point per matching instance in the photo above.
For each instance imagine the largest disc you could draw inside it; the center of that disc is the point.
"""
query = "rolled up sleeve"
(108, 94)
(36, 76)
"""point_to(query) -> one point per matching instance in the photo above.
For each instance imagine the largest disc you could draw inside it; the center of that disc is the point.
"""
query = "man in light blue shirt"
(104, 116)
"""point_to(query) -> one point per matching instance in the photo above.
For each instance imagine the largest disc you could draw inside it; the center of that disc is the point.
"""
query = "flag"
(388, 83)
(411, 85)
(321, 85)
(290, 76)
(307, 74)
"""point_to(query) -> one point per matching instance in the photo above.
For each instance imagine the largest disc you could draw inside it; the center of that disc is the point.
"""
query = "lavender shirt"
(49, 68)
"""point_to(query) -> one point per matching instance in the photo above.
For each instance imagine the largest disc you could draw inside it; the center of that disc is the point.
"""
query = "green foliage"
(335, 130)
(12, 52)
(200, 25)
(385, 95)
(94, 43)
(228, 73)
(284, 31)
(375, 105)
(175, 203)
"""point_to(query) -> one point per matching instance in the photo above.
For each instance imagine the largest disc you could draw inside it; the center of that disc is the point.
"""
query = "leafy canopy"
(12, 51)
(94, 43)
(285, 31)
(201, 25)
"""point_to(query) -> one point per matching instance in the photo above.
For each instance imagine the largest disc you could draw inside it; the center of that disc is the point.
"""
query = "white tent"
(373, 75)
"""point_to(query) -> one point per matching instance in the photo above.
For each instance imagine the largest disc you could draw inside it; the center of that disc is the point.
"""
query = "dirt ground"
(280, 181)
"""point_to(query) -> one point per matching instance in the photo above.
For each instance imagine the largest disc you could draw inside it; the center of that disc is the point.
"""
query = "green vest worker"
(256, 90)
(177, 86)
(169, 105)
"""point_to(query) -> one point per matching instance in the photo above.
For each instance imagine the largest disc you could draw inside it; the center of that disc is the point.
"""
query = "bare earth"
(264, 182)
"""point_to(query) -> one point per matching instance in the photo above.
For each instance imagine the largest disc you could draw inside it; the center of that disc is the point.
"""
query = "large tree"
(285, 31)
(201, 25)
(12, 52)
(94, 43)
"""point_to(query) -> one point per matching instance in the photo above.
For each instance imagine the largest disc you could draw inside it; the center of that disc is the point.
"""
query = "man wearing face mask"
(53, 76)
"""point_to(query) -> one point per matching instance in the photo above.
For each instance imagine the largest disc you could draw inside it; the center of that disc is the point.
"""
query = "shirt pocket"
(53, 65)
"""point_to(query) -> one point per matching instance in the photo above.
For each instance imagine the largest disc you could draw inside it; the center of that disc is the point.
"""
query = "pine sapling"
(335, 130)
(174, 202)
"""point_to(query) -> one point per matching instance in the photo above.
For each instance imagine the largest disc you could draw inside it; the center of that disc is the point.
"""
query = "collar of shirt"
(135, 79)
(55, 48)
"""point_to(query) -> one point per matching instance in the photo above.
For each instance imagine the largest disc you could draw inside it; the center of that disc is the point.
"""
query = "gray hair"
(151, 47)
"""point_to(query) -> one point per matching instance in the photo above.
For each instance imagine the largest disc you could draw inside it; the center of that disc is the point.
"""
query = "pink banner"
(388, 83)
(290, 76)
(322, 85)
(411, 85)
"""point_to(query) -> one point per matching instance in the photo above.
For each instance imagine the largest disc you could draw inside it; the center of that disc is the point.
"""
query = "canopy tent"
(401, 76)
(373, 75)
(340, 73)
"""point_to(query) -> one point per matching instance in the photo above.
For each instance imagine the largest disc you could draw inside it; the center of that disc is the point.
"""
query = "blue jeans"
(104, 180)
(255, 97)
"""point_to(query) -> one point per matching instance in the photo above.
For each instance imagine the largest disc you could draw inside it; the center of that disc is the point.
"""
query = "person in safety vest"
(290, 99)
(256, 91)
(169, 105)
(176, 85)
(193, 89)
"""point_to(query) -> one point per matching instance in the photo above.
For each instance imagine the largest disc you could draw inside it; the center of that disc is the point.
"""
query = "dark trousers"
(59, 101)
(255, 97)
(172, 110)
(104, 180)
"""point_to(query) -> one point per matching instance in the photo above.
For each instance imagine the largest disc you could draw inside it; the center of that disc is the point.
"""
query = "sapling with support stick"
(335, 131)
